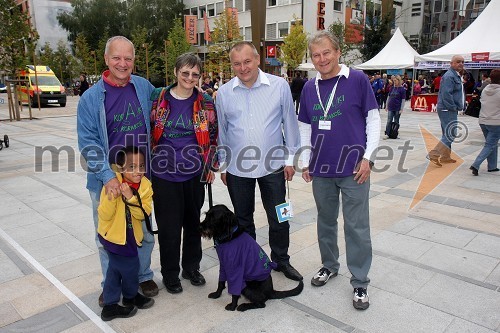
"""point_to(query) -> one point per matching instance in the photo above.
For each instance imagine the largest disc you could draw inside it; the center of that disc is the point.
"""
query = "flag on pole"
(207, 28)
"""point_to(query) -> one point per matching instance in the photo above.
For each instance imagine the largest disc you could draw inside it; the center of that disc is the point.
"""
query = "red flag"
(207, 28)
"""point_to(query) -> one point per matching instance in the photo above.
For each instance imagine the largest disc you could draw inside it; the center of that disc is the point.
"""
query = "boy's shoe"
(385, 137)
(360, 300)
(149, 288)
(110, 312)
(322, 277)
(142, 302)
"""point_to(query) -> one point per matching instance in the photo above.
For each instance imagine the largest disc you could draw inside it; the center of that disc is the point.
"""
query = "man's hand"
(112, 189)
(223, 178)
(289, 172)
(306, 176)
(362, 172)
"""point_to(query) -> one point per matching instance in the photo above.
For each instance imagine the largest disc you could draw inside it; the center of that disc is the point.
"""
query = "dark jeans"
(177, 210)
(121, 278)
(391, 116)
(272, 192)
(296, 100)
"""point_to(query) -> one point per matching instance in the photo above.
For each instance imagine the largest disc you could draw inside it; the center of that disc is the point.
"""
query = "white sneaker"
(322, 277)
(385, 137)
(360, 299)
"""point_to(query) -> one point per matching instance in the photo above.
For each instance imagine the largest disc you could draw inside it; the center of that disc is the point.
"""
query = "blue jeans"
(490, 150)
(448, 121)
(148, 242)
(390, 116)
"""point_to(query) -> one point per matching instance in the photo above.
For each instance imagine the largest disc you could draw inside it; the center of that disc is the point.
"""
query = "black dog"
(243, 263)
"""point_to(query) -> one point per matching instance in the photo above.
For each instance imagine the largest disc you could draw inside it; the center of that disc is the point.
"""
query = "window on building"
(271, 31)
(201, 11)
(271, 3)
(283, 2)
(248, 33)
(438, 6)
(248, 5)
(416, 9)
(337, 6)
(219, 7)
(211, 10)
(239, 5)
(187, 11)
(194, 11)
(201, 39)
(282, 29)
(241, 31)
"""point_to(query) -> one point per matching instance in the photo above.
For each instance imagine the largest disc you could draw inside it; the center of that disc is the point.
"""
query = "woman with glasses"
(183, 141)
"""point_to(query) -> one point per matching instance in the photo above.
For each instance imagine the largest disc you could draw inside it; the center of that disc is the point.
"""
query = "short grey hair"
(239, 45)
(188, 59)
(319, 36)
(114, 38)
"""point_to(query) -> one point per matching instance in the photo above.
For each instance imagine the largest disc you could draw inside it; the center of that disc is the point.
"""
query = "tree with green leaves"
(144, 52)
(377, 31)
(293, 49)
(82, 54)
(176, 45)
(92, 17)
(346, 34)
(226, 33)
(16, 36)
(157, 16)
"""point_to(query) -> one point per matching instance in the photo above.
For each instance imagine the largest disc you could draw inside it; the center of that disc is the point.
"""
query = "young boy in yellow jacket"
(120, 232)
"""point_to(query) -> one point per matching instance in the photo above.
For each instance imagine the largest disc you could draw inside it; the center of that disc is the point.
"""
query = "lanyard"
(330, 99)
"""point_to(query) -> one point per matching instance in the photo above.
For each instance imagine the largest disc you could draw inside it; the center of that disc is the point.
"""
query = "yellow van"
(49, 87)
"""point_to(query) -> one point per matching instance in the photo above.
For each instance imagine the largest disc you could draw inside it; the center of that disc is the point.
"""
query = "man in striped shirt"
(258, 138)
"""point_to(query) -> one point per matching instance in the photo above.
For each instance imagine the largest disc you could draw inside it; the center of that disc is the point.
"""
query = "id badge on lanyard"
(325, 125)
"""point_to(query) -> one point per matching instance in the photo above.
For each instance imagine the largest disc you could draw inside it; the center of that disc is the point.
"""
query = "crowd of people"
(151, 147)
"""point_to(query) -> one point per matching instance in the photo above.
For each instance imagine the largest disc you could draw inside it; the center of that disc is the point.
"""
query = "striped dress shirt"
(258, 128)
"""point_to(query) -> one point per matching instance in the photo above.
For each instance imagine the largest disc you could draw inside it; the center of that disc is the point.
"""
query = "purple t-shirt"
(242, 259)
(337, 151)
(124, 121)
(177, 157)
(396, 98)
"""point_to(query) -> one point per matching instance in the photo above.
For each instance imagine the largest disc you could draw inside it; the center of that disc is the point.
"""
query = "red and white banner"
(207, 28)
(190, 27)
(271, 51)
(483, 56)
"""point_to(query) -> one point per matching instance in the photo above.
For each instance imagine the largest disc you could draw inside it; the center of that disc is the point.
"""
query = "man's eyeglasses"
(195, 76)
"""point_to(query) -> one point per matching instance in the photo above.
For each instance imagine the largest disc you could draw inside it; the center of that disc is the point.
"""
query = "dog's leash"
(210, 198)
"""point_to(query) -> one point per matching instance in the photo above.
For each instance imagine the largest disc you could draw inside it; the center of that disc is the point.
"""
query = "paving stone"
(401, 246)
(461, 299)
(405, 225)
(486, 244)
(464, 326)
(52, 320)
(458, 261)
(8, 314)
(442, 234)
(34, 232)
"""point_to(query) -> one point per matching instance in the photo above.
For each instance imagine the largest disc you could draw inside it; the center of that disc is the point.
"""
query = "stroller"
(5, 142)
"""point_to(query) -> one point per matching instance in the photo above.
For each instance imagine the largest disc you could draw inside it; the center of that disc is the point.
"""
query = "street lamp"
(145, 45)
(95, 63)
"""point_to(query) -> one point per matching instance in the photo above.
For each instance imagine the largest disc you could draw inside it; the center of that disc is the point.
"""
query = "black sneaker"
(360, 299)
(322, 277)
(110, 312)
(142, 302)
(194, 276)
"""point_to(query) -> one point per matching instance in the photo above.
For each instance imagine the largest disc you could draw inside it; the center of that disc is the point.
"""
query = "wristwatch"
(369, 162)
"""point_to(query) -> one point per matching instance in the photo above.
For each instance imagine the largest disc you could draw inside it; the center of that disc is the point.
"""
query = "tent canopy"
(480, 37)
(305, 67)
(397, 54)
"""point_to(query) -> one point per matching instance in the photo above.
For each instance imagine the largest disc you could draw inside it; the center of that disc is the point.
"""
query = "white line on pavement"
(58, 284)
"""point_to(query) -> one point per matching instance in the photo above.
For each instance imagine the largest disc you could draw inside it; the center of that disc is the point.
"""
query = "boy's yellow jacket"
(112, 220)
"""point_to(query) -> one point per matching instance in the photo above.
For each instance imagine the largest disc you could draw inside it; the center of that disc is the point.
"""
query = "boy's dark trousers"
(121, 278)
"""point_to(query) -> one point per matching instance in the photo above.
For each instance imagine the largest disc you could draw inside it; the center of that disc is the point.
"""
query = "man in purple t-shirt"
(339, 118)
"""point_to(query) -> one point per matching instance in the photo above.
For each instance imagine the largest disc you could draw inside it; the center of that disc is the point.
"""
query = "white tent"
(480, 37)
(306, 67)
(397, 54)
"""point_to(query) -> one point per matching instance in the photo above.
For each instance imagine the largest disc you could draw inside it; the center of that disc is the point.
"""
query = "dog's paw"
(231, 307)
(214, 295)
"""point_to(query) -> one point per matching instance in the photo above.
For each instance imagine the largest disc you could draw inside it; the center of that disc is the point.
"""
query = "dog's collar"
(226, 238)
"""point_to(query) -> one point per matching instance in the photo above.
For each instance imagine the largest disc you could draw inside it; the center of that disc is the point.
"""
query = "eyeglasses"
(195, 76)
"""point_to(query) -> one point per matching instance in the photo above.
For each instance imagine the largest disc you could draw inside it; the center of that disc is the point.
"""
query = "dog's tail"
(288, 293)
